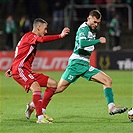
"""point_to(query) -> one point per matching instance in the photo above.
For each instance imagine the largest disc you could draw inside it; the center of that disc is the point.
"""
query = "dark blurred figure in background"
(57, 7)
(8, 7)
(32, 8)
(3, 6)
(114, 31)
(82, 13)
(110, 10)
(25, 25)
(9, 29)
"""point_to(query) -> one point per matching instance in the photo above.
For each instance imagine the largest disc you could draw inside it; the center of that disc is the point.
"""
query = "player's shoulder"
(83, 27)
(32, 35)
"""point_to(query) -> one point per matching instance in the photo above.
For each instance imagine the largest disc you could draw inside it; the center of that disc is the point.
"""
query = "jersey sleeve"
(84, 41)
(48, 38)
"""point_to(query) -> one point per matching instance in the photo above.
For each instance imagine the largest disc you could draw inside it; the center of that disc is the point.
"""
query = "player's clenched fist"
(102, 40)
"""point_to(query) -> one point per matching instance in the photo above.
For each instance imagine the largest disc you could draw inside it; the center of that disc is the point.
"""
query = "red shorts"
(26, 78)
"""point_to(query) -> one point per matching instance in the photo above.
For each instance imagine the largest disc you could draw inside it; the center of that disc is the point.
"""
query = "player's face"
(93, 22)
(42, 29)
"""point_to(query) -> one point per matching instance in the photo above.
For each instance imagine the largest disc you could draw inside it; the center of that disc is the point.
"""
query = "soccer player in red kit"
(21, 67)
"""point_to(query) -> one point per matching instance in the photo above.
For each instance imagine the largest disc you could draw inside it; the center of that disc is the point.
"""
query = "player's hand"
(102, 40)
(65, 32)
(8, 73)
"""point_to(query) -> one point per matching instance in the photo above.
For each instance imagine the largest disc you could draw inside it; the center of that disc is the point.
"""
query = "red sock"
(49, 92)
(36, 97)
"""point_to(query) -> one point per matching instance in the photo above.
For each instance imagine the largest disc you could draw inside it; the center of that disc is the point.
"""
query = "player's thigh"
(45, 81)
(90, 72)
(42, 79)
(25, 79)
(102, 78)
(70, 75)
(62, 85)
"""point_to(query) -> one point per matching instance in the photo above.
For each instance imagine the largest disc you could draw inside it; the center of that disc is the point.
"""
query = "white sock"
(111, 105)
(32, 104)
(43, 110)
(40, 117)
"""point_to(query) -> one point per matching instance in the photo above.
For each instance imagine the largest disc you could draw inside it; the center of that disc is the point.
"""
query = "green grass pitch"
(81, 108)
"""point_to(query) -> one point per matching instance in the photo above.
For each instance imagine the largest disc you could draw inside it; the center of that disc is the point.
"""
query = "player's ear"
(88, 18)
(38, 28)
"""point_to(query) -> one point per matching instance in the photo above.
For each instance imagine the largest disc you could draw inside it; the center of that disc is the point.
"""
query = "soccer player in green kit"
(79, 62)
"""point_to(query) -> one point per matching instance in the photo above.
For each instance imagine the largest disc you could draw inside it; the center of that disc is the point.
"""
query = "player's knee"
(54, 84)
(38, 89)
(109, 81)
(35, 87)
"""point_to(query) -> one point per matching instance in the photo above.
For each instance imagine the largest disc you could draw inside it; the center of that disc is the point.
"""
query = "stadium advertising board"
(57, 60)
(45, 60)
(120, 60)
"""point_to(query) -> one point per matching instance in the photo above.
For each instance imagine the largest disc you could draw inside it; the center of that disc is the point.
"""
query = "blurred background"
(60, 13)
(16, 18)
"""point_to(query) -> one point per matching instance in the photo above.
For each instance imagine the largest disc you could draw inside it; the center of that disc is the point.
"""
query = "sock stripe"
(37, 93)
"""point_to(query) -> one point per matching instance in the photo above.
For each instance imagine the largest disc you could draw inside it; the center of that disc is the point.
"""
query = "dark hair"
(95, 13)
(39, 21)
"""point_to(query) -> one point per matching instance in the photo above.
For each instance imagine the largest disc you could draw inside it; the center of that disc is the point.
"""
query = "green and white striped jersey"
(84, 43)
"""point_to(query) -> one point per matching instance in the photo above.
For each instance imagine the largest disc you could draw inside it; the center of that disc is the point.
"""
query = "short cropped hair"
(95, 13)
(39, 21)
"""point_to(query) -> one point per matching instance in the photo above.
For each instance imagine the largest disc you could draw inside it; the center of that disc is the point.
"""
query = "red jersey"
(26, 50)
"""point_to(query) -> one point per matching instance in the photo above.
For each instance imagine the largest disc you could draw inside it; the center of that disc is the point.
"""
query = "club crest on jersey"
(90, 35)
